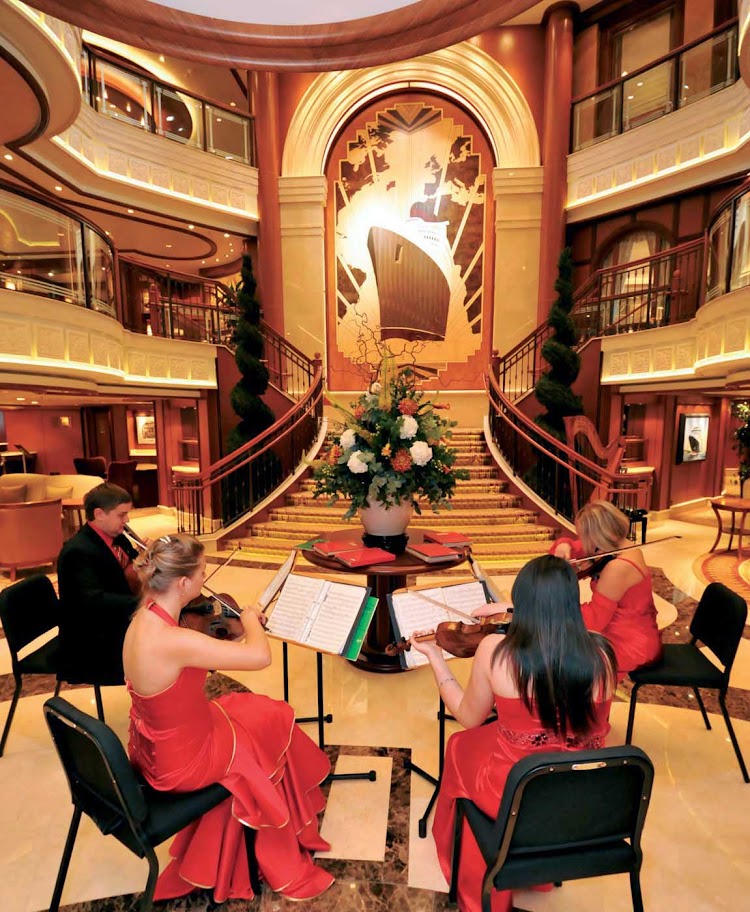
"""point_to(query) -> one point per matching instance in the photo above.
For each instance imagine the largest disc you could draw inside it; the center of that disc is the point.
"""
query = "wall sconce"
(64, 421)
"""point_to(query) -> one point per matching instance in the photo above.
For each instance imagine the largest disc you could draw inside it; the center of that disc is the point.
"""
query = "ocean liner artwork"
(415, 277)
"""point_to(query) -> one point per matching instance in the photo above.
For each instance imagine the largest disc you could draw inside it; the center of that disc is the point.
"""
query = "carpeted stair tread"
(459, 501)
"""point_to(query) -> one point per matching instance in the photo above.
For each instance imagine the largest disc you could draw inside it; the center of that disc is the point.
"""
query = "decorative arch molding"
(463, 72)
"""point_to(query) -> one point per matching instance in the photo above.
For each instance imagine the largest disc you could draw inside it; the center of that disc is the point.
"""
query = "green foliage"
(255, 416)
(393, 446)
(553, 389)
(741, 409)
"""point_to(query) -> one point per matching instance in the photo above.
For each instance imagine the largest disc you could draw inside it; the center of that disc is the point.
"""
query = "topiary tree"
(255, 416)
(553, 389)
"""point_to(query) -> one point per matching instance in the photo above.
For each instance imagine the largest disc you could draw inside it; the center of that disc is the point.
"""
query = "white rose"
(409, 427)
(355, 463)
(348, 439)
(421, 453)
(375, 388)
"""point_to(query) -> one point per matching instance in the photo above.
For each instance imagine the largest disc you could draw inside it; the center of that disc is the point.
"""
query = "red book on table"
(449, 539)
(432, 554)
(363, 557)
(332, 548)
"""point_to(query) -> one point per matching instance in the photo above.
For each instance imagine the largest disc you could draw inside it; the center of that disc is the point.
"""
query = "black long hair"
(556, 664)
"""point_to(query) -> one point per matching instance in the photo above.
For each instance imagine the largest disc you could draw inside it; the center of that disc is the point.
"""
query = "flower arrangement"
(393, 447)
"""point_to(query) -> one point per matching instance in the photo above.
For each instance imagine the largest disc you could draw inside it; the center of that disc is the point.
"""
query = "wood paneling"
(41, 430)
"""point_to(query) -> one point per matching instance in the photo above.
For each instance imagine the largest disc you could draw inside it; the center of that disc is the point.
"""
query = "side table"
(383, 579)
(735, 507)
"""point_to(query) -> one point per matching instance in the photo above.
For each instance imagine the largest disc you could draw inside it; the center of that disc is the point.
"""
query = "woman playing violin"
(551, 682)
(622, 606)
(180, 740)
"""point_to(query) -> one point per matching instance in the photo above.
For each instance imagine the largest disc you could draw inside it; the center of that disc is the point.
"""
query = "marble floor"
(695, 840)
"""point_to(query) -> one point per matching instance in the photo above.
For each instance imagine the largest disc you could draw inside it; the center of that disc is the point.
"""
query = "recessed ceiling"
(289, 34)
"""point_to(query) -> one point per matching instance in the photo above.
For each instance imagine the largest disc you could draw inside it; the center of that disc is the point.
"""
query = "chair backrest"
(719, 622)
(31, 533)
(28, 609)
(90, 465)
(570, 800)
(122, 474)
(102, 782)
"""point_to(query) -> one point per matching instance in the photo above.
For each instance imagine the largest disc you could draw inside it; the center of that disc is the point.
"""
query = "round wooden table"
(383, 579)
(735, 507)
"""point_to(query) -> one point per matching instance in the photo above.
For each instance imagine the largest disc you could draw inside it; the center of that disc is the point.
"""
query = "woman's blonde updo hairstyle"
(168, 559)
(600, 525)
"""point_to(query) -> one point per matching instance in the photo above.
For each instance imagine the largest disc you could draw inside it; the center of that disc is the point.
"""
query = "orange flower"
(401, 462)
(386, 451)
(446, 406)
(335, 453)
(408, 407)
(446, 470)
(359, 412)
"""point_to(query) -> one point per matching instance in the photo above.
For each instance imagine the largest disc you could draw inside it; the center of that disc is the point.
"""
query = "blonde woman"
(622, 607)
(182, 741)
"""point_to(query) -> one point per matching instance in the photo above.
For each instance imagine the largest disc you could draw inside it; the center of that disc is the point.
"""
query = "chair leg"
(147, 897)
(65, 860)
(733, 738)
(99, 704)
(11, 713)
(699, 699)
(631, 713)
(252, 861)
(458, 829)
(635, 891)
(57, 687)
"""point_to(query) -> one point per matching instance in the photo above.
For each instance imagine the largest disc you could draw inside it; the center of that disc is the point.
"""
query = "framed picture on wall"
(692, 438)
(145, 430)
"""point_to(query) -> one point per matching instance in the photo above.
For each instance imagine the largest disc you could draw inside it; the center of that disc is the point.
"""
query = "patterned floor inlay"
(724, 567)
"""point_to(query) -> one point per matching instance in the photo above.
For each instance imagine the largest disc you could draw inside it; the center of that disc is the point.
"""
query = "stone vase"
(386, 521)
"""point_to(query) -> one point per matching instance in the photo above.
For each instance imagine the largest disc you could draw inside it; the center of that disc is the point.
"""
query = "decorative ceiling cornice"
(409, 31)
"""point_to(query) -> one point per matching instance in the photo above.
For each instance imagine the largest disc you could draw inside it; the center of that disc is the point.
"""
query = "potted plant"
(741, 410)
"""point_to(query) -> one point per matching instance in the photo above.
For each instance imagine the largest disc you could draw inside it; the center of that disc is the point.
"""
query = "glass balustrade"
(729, 246)
(685, 76)
(46, 252)
(134, 98)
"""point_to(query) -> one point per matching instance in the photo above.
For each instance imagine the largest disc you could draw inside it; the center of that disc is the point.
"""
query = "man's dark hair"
(106, 497)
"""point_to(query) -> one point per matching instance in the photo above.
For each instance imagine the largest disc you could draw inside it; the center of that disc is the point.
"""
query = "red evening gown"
(629, 625)
(477, 763)
(181, 741)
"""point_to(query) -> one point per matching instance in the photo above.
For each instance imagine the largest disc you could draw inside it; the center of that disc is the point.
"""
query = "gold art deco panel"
(409, 253)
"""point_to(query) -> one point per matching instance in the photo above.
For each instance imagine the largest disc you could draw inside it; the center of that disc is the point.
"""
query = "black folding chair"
(563, 816)
(28, 609)
(104, 786)
(718, 623)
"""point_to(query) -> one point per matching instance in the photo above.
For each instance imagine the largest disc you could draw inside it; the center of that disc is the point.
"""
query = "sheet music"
(316, 612)
(415, 609)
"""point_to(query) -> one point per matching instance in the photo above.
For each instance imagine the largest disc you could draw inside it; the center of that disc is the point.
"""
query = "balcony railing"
(656, 291)
(687, 74)
(129, 95)
(48, 252)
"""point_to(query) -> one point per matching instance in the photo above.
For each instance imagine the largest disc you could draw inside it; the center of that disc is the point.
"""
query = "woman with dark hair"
(182, 741)
(551, 682)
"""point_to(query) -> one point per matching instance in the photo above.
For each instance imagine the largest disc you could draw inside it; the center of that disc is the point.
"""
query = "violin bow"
(479, 574)
(267, 596)
(595, 557)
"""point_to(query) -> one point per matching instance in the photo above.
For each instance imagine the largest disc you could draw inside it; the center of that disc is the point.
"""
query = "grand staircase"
(504, 534)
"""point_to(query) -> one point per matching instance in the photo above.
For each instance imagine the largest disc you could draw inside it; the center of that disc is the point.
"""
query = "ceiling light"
(639, 84)
(170, 118)
(229, 157)
(218, 120)
(8, 157)
(180, 129)
(169, 265)
(203, 262)
(226, 234)
(50, 274)
(128, 108)
(20, 398)
(34, 402)
(108, 234)
(217, 259)
(58, 188)
(130, 211)
(232, 104)
(168, 245)
(161, 58)
(631, 97)
(686, 87)
(191, 227)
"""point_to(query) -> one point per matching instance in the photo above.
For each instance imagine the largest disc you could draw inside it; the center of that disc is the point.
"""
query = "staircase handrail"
(528, 350)
(511, 427)
(199, 498)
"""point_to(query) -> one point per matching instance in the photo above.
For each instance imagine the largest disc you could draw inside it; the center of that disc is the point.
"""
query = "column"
(302, 202)
(558, 92)
(518, 203)
(265, 95)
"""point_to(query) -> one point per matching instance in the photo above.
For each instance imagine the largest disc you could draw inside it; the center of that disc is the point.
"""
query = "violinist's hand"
(563, 550)
(251, 611)
(491, 608)
(428, 648)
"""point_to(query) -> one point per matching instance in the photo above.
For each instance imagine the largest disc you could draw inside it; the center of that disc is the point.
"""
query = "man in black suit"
(95, 576)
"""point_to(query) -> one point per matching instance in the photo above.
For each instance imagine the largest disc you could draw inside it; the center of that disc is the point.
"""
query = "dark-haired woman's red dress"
(181, 741)
(477, 763)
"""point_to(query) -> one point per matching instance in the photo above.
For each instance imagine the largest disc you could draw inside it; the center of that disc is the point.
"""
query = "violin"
(457, 637)
(215, 613)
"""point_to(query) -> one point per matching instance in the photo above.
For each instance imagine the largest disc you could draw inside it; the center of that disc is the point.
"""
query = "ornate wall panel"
(409, 248)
